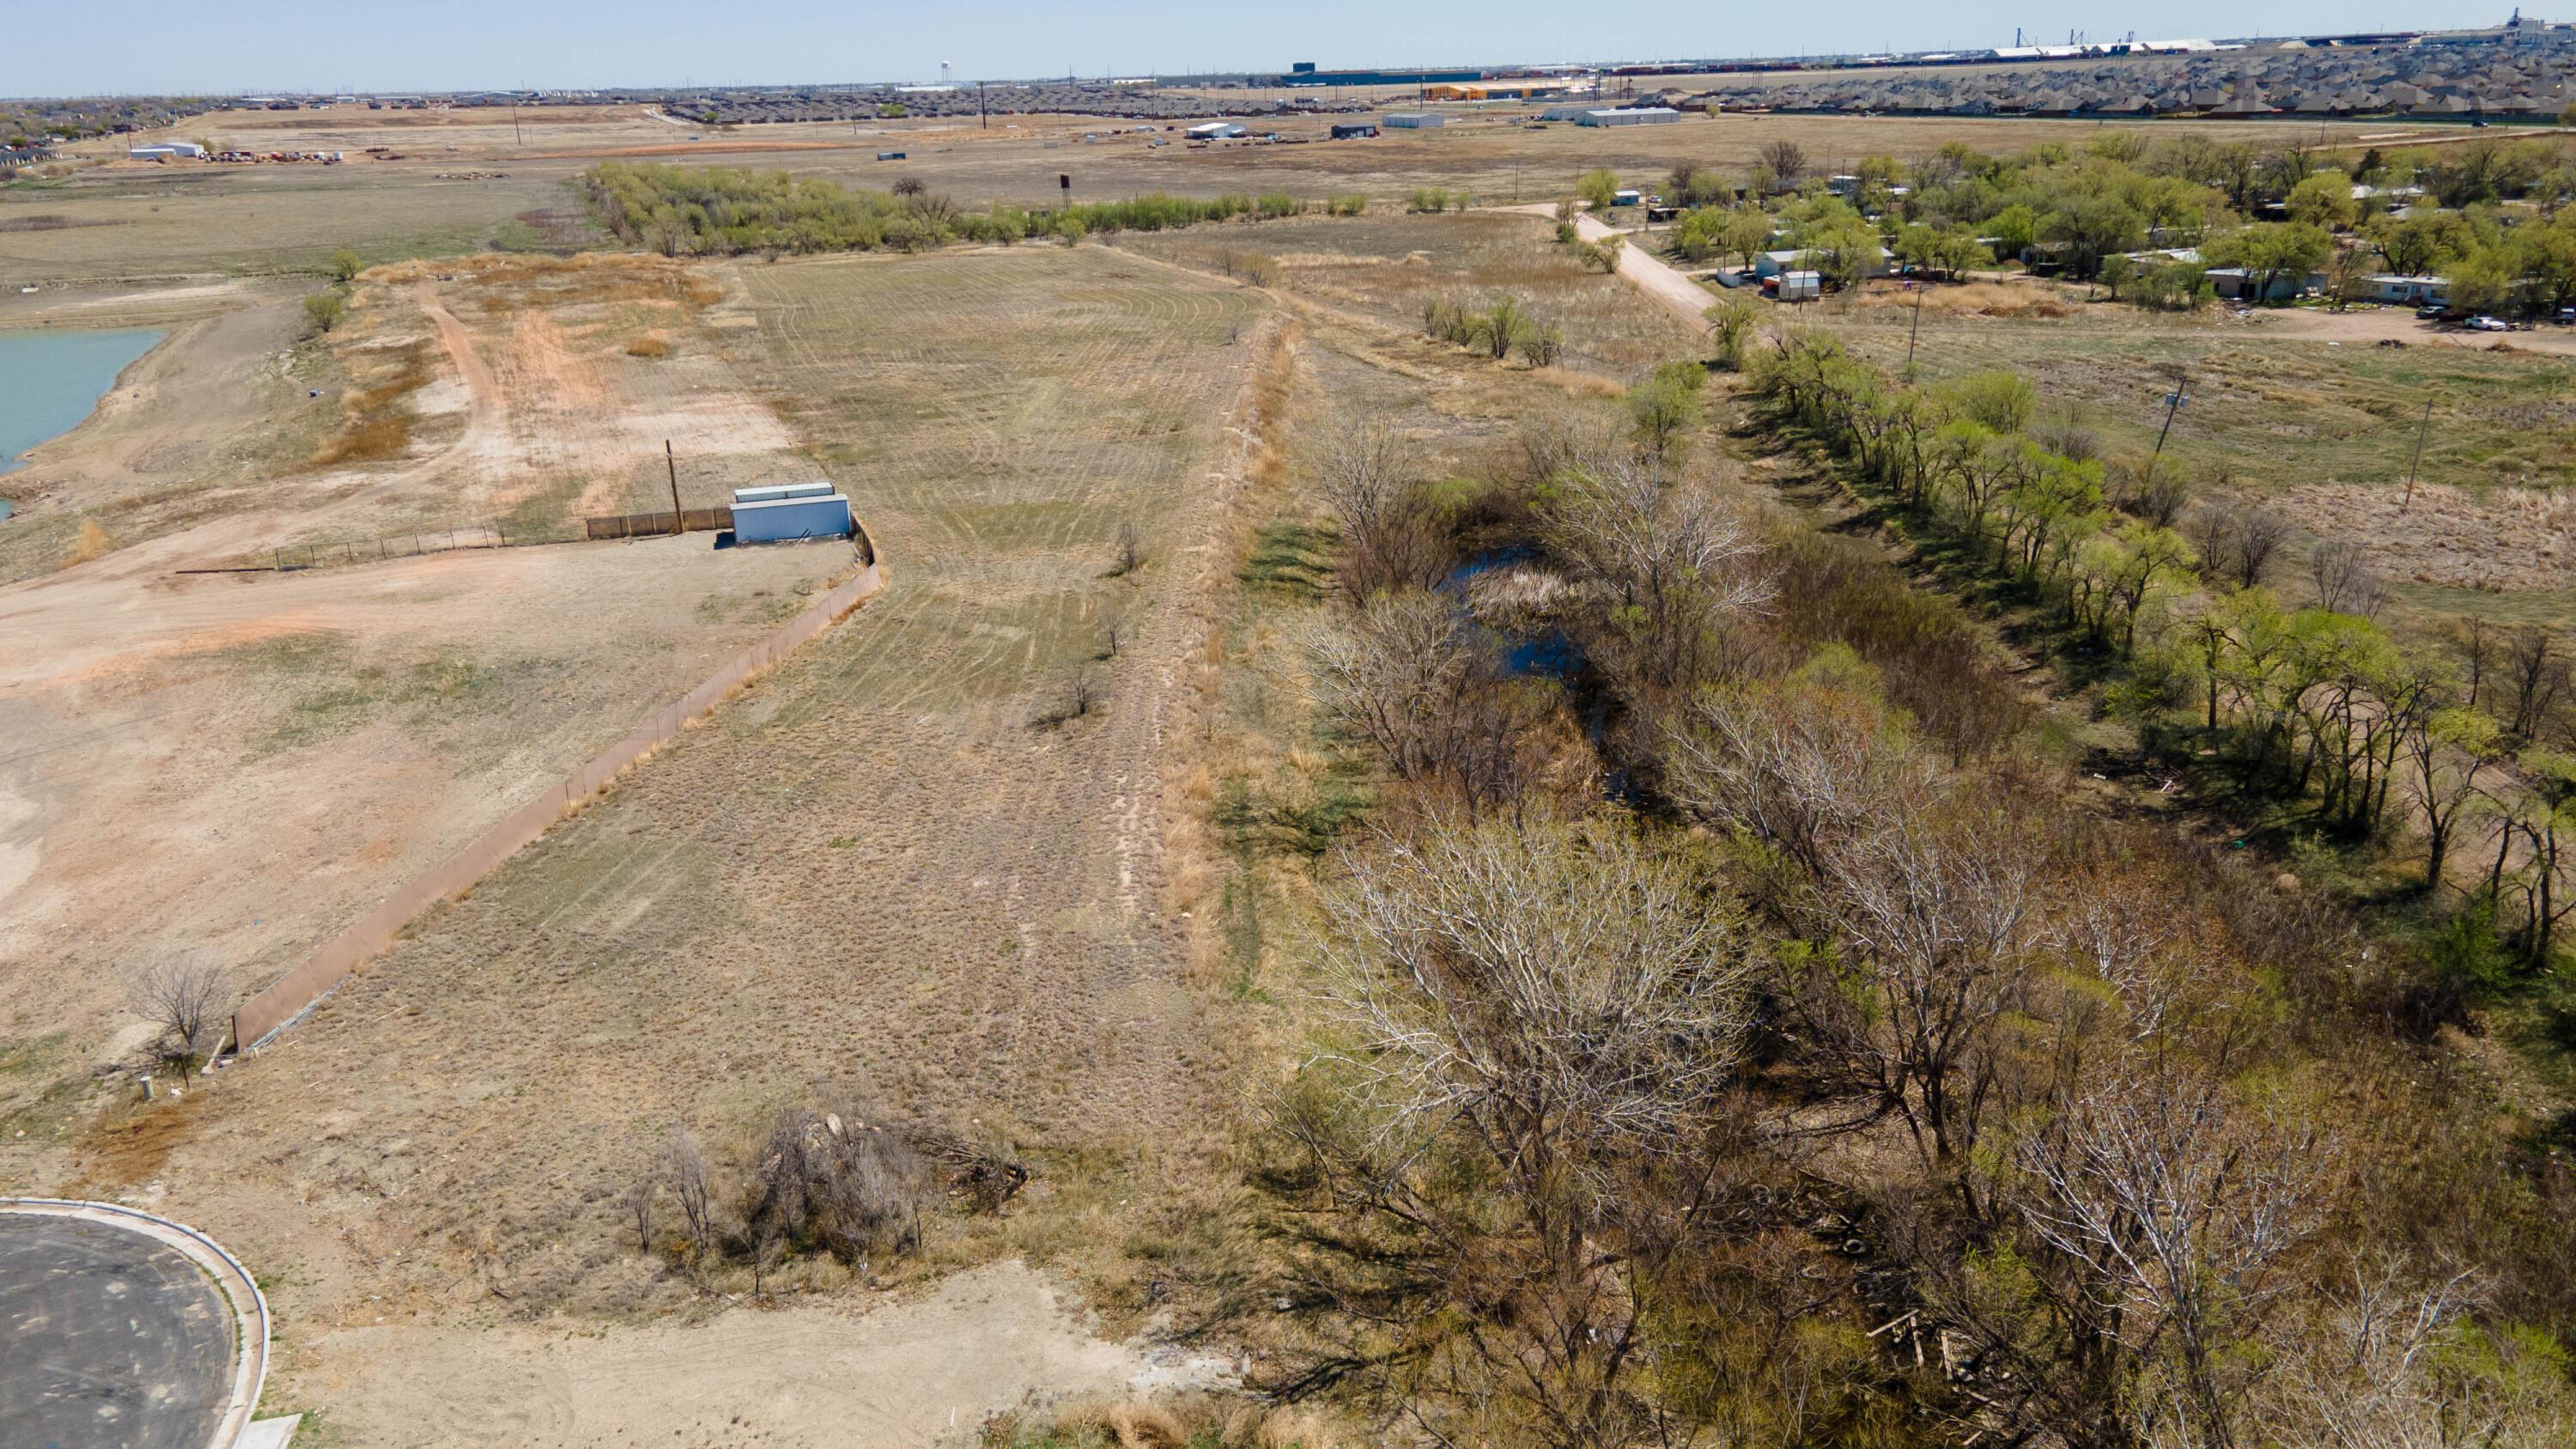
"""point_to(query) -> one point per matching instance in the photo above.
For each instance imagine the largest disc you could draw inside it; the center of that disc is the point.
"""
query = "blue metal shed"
(778, 520)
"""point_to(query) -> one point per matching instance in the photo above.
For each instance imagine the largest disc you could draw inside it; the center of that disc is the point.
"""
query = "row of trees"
(2316, 701)
(680, 211)
(1851, 1091)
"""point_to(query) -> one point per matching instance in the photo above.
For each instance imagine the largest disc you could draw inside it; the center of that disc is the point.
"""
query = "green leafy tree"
(1665, 408)
(2424, 243)
(1730, 325)
(345, 265)
(2273, 254)
(1598, 186)
(2002, 402)
(323, 310)
(2324, 200)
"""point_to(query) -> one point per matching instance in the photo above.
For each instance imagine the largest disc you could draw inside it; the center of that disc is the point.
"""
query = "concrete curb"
(250, 1306)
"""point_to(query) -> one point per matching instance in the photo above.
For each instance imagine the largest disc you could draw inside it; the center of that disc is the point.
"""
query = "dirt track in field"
(262, 757)
(869, 873)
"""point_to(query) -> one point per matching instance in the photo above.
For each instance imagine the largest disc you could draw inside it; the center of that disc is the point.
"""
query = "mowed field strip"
(868, 871)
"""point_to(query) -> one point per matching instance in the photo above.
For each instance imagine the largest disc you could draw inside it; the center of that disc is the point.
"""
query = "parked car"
(2566, 315)
(2487, 324)
(2430, 314)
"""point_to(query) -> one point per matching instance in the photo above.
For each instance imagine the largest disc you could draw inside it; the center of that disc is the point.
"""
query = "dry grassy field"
(903, 869)
(268, 755)
(466, 181)
(2323, 427)
(1385, 268)
(872, 872)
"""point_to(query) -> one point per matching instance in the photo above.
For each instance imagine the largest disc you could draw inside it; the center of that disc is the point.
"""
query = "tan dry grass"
(651, 344)
(92, 542)
(1967, 299)
(370, 441)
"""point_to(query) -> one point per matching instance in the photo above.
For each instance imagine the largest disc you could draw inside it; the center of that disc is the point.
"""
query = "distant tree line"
(729, 211)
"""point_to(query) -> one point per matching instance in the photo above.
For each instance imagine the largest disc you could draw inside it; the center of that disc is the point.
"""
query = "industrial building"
(1415, 120)
(167, 151)
(793, 511)
(1303, 73)
(1493, 91)
(1640, 116)
(1214, 131)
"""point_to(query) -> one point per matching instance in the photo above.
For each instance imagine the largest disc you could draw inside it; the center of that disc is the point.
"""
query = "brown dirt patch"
(2500, 540)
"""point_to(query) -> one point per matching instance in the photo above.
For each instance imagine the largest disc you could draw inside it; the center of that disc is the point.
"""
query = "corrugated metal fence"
(645, 525)
(288, 997)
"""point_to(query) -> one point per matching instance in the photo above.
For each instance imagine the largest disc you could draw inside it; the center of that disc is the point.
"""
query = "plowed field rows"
(868, 871)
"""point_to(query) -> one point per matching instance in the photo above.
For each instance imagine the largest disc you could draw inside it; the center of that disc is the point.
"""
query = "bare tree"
(1113, 628)
(1939, 897)
(1538, 1022)
(2479, 646)
(686, 1167)
(2162, 1221)
(1129, 554)
(1784, 159)
(1367, 475)
(638, 1204)
(2237, 541)
(2160, 492)
(2382, 1367)
(2536, 670)
(2343, 580)
(1675, 567)
(182, 997)
(1411, 674)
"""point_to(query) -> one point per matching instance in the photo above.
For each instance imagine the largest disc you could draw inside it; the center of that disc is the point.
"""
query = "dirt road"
(1652, 275)
(2368, 326)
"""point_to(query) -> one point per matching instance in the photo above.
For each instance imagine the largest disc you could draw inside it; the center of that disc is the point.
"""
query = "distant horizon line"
(1243, 74)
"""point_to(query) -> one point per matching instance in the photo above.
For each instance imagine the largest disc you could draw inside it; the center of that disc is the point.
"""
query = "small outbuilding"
(1416, 120)
(1214, 131)
(791, 512)
(1355, 132)
(1634, 116)
(167, 151)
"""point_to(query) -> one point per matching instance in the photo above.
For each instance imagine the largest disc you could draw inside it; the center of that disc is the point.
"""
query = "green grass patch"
(1291, 559)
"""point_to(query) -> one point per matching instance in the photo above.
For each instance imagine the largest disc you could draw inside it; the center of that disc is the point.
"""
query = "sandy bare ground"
(262, 757)
(926, 1369)
(2368, 326)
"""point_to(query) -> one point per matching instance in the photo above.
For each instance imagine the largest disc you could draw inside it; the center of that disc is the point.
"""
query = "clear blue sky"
(162, 46)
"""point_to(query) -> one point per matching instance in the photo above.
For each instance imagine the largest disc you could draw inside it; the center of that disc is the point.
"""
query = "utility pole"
(2173, 404)
(679, 520)
(2421, 429)
(516, 137)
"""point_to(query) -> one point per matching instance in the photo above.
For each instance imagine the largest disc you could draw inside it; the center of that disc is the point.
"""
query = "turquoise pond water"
(50, 380)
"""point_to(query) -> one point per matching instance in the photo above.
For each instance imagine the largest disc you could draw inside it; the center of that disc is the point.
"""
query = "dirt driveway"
(2368, 326)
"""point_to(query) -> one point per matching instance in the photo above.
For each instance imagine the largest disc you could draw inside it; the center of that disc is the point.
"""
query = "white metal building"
(1414, 120)
(1214, 131)
(781, 514)
(167, 151)
(1641, 116)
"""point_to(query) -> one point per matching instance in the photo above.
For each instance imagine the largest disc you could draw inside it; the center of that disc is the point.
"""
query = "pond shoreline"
(53, 382)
